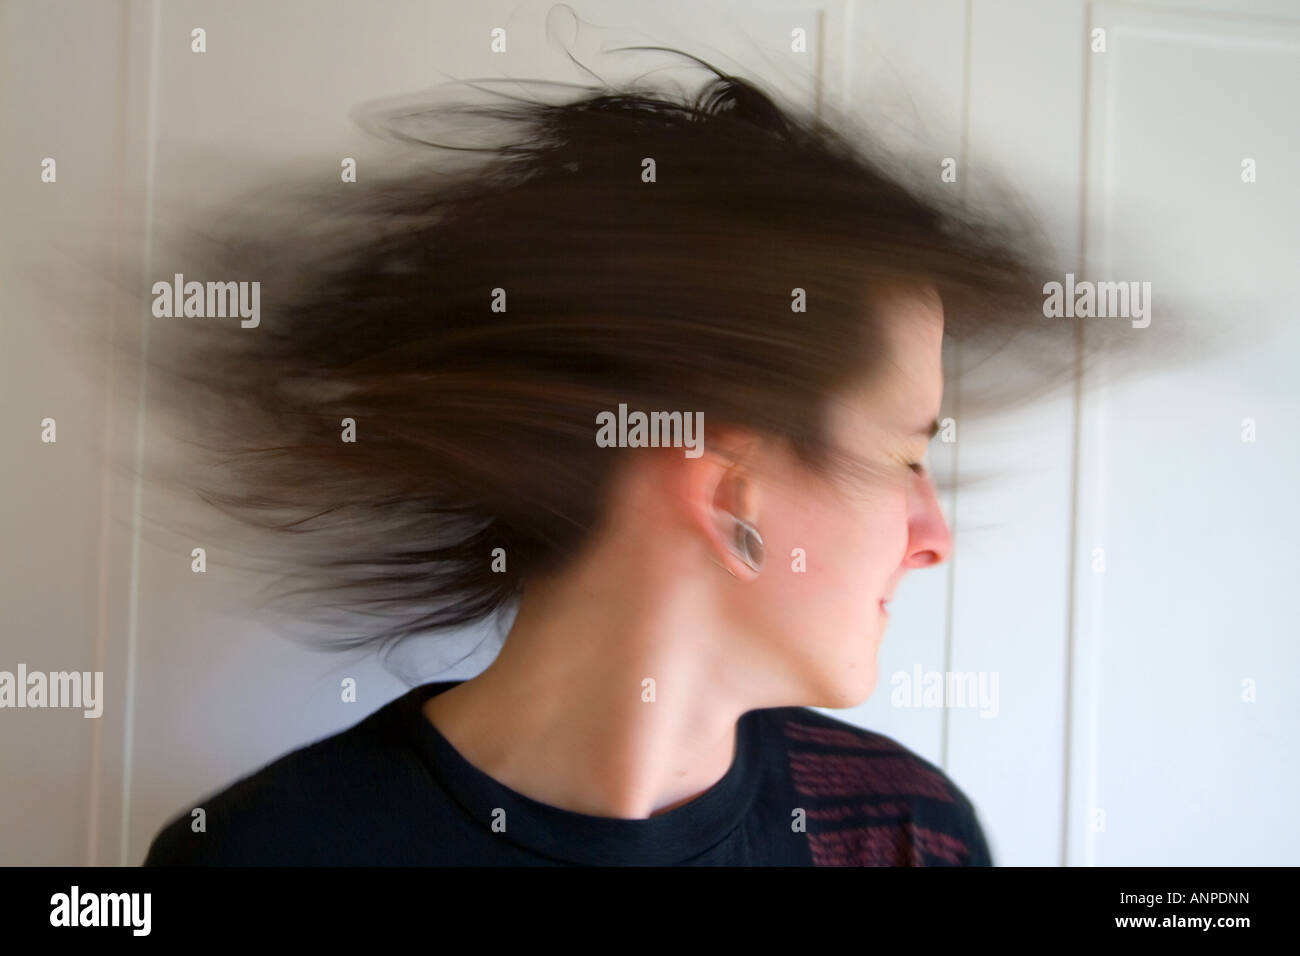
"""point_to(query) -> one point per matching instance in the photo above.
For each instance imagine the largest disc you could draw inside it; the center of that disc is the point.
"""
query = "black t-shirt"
(803, 789)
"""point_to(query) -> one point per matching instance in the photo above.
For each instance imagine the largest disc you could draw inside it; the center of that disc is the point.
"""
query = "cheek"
(845, 551)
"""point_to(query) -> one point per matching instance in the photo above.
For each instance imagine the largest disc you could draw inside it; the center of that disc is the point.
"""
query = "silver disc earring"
(748, 544)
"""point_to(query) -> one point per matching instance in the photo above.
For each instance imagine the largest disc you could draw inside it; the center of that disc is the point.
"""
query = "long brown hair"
(474, 424)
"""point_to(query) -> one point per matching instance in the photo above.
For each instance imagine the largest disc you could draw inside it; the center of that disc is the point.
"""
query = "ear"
(721, 486)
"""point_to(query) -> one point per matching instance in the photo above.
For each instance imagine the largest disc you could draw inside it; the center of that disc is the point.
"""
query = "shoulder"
(872, 799)
(307, 807)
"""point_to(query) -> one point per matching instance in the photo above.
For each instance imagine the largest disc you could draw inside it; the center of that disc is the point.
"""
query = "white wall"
(1121, 736)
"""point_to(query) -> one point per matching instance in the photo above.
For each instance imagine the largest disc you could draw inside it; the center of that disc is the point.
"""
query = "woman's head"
(722, 258)
(806, 618)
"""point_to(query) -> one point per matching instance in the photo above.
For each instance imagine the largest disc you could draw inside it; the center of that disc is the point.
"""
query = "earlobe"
(748, 544)
(733, 505)
(742, 539)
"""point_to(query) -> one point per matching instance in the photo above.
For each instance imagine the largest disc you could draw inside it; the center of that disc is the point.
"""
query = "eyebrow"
(929, 431)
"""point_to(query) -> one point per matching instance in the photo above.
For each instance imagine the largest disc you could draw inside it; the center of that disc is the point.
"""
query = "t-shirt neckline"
(669, 838)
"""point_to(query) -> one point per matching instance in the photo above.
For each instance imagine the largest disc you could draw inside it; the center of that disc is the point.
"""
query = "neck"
(606, 700)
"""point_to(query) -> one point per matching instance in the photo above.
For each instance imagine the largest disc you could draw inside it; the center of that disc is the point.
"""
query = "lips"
(884, 601)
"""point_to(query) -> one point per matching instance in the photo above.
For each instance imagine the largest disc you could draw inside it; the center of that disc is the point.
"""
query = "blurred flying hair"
(476, 428)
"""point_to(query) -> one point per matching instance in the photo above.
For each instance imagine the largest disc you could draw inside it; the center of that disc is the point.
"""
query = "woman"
(447, 410)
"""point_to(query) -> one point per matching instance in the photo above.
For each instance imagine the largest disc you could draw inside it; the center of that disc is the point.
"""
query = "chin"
(849, 687)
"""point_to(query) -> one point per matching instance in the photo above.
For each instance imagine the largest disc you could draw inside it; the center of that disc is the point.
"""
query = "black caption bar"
(331, 905)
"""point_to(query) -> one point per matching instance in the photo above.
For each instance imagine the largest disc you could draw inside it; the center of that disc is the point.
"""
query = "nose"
(929, 541)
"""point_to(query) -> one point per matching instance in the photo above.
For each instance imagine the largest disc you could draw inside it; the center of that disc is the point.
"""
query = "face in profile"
(820, 629)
